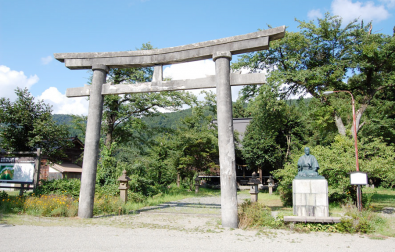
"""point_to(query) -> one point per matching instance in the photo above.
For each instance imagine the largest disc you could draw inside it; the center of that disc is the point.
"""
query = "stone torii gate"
(220, 50)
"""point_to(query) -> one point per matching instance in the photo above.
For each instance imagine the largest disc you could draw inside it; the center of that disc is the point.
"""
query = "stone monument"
(309, 189)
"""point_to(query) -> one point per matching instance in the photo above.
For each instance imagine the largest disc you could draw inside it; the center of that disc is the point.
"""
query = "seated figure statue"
(308, 166)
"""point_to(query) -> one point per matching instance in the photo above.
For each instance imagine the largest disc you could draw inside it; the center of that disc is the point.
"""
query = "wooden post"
(37, 166)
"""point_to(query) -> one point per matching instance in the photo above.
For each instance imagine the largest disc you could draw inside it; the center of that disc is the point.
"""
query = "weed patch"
(257, 215)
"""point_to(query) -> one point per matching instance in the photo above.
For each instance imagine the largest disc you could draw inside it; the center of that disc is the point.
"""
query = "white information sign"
(359, 178)
(16, 171)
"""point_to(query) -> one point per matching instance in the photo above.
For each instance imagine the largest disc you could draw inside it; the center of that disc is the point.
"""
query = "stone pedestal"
(270, 189)
(310, 197)
(123, 186)
(254, 193)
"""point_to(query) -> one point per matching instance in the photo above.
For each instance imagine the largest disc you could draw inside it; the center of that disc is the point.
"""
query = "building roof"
(67, 167)
(239, 125)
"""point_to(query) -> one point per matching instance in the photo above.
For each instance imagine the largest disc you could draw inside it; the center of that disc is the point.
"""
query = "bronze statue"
(308, 166)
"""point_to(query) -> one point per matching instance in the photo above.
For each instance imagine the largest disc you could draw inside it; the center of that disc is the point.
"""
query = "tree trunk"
(110, 130)
(340, 125)
(178, 180)
(358, 116)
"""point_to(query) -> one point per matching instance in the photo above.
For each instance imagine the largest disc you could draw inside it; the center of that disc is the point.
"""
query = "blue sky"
(31, 31)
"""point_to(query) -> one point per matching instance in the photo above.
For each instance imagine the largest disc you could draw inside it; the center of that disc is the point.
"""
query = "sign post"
(359, 178)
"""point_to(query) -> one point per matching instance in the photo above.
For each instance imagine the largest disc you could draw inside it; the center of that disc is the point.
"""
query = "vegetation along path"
(187, 225)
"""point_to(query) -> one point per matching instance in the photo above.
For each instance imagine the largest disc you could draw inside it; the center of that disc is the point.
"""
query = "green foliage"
(276, 129)
(122, 113)
(75, 124)
(3, 195)
(380, 117)
(359, 222)
(257, 215)
(60, 187)
(196, 144)
(108, 170)
(329, 55)
(314, 227)
(26, 125)
(337, 161)
(108, 205)
(50, 206)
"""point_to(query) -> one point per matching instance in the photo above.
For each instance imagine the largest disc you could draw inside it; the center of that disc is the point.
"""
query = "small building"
(69, 167)
(66, 170)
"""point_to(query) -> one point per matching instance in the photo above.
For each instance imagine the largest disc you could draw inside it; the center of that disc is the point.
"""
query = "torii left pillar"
(227, 157)
(92, 139)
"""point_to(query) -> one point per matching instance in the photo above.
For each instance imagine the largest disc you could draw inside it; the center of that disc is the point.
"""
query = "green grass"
(381, 197)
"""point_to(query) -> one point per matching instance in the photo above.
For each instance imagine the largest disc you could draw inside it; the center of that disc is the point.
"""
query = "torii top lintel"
(204, 50)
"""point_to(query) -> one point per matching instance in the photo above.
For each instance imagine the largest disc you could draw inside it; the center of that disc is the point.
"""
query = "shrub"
(355, 221)
(64, 186)
(51, 205)
(11, 204)
(256, 214)
(108, 205)
(3, 195)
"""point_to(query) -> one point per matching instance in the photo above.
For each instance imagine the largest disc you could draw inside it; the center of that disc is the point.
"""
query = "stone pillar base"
(310, 197)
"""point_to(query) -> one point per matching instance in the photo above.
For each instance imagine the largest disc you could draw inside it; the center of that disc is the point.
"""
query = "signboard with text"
(16, 170)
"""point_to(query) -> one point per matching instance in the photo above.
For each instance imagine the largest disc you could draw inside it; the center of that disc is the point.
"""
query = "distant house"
(69, 167)
(66, 170)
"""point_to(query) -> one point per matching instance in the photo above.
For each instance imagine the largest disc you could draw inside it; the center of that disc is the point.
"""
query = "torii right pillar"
(226, 144)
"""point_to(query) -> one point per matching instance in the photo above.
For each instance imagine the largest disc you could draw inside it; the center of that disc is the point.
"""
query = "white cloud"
(368, 11)
(194, 70)
(190, 70)
(46, 60)
(63, 105)
(11, 79)
(313, 14)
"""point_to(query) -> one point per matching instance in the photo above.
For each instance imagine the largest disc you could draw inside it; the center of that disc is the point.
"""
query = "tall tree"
(329, 56)
(26, 125)
(275, 130)
(196, 143)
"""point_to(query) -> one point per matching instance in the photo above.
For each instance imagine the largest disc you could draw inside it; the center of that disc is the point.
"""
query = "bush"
(257, 215)
(3, 195)
(11, 204)
(108, 205)
(51, 205)
(358, 222)
(64, 186)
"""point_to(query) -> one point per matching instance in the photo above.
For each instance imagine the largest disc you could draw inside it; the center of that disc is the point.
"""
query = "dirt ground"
(189, 225)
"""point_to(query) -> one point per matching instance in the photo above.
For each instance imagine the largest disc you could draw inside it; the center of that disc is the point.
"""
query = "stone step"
(312, 219)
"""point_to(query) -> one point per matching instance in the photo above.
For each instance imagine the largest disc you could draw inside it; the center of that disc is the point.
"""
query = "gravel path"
(188, 225)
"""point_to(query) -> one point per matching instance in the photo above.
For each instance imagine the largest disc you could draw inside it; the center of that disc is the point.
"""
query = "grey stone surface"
(91, 149)
(310, 197)
(226, 145)
(312, 219)
(173, 85)
(204, 50)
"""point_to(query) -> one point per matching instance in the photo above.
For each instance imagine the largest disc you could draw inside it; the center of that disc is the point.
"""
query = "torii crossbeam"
(220, 50)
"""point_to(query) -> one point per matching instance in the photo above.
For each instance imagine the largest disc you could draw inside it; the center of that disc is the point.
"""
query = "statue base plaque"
(310, 197)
